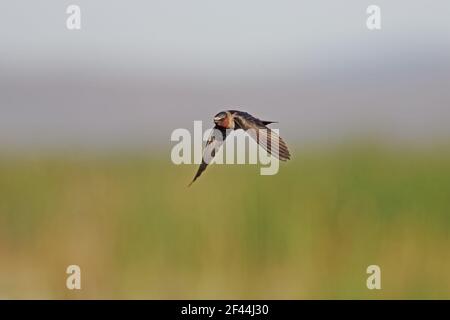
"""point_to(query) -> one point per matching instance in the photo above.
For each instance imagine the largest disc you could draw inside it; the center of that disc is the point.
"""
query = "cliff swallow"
(226, 121)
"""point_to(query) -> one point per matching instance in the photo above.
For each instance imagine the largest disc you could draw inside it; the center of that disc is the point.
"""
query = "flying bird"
(229, 120)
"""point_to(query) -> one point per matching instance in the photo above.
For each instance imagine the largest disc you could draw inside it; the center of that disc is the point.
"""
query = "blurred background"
(85, 170)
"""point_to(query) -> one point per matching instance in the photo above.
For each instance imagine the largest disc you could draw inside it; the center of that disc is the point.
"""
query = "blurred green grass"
(137, 231)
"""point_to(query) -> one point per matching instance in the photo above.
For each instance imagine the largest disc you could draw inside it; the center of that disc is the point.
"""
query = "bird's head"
(218, 118)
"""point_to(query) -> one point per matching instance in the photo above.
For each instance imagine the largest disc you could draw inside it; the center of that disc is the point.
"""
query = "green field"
(135, 229)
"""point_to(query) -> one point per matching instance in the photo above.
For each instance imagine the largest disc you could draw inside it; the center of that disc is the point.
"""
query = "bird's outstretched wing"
(264, 136)
(215, 141)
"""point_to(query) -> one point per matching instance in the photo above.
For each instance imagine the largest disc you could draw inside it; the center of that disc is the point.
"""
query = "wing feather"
(215, 141)
(268, 139)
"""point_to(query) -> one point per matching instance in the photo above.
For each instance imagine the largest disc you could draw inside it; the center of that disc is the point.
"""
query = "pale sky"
(139, 69)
